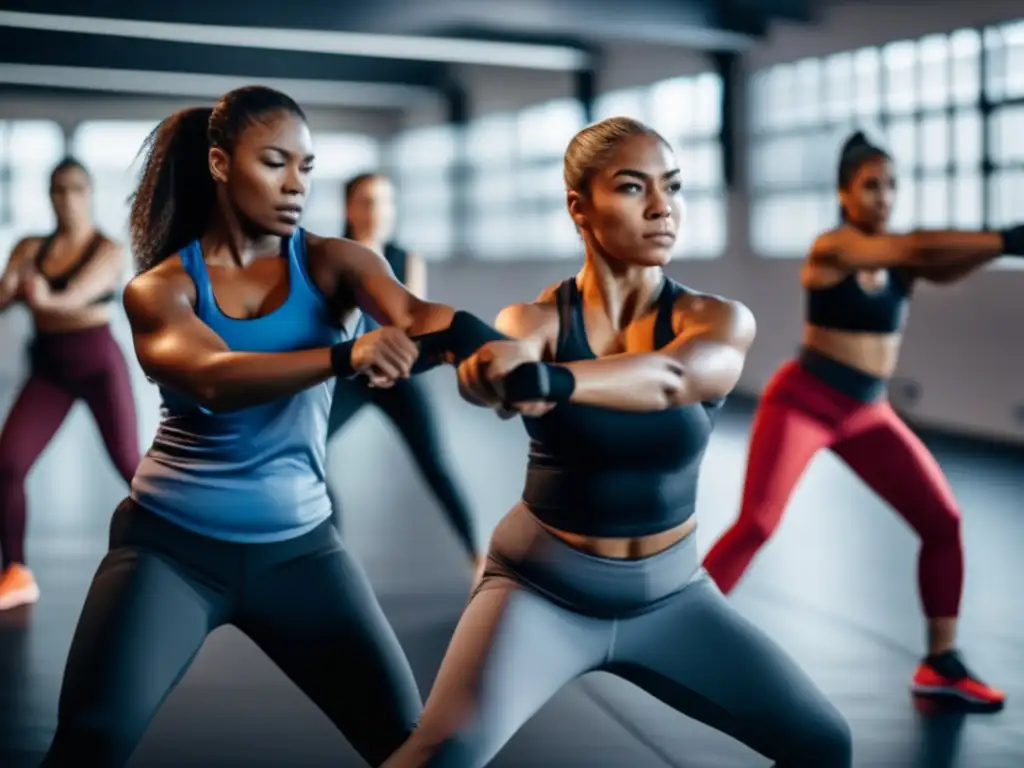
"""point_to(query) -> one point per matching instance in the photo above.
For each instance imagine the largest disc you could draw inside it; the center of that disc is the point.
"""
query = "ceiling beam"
(697, 24)
(308, 93)
(400, 47)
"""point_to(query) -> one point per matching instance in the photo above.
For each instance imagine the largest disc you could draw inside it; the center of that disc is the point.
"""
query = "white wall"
(963, 349)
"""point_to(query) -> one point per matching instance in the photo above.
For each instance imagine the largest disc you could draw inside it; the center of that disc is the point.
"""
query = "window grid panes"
(919, 98)
(515, 180)
(424, 164)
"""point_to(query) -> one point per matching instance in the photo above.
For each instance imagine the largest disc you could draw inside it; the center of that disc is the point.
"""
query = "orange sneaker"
(946, 677)
(17, 587)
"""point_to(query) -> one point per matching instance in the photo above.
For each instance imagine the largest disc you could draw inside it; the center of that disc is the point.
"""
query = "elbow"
(673, 388)
(204, 386)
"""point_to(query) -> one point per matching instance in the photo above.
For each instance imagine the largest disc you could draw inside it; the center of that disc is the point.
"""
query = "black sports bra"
(60, 282)
(602, 472)
(847, 306)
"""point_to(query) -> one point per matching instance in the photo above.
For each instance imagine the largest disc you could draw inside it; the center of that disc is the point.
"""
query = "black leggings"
(409, 409)
(162, 589)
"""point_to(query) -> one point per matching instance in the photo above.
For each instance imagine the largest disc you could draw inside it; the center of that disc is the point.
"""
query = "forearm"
(631, 382)
(8, 291)
(953, 248)
(943, 274)
(81, 293)
(429, 317)
(459, 338)
(230, 381)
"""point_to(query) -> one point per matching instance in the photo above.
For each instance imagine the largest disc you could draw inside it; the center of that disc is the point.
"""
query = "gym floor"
(836, 587)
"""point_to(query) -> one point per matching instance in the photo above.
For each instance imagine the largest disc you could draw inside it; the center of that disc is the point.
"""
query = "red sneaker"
(946, 677)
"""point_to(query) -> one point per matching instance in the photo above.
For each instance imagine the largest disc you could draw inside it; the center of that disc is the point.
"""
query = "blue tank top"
(601, 472)
(846, 306)
(257, 474)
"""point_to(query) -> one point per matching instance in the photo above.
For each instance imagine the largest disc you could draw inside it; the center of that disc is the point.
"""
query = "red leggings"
(66, 367)
(798, 416)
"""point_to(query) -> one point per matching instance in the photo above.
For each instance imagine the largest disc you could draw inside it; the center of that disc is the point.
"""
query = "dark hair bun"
(858, 140)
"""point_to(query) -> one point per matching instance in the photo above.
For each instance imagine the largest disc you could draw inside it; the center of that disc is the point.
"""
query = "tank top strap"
(301, 281)
(192, 260)
(664, 325)
(44, 250)
(87, 255)
(572, 333)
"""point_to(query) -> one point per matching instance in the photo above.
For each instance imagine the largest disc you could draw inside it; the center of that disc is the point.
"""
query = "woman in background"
(68, 280)
(859, 281)
(369, 220)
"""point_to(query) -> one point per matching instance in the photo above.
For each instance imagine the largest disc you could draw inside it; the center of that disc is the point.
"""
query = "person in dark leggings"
(859, 282)
(597, 567)
(369, 220)
(67, 280)
(236, 315)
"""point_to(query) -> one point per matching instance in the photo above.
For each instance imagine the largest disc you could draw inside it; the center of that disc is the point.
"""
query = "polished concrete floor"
(836, 587)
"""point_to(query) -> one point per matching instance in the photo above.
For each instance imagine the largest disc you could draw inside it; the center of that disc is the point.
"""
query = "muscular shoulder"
(334, 262)
(530, 318)
(726, 320)
(340, 252)
(824, 266)
(159, 292)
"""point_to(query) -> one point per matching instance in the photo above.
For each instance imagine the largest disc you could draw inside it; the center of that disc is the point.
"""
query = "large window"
(923, 99)
(29, 149)
(109, 149)
(516, 193)
(492, 192)
(339, 156)
(1004, 89)
(543, 224)
(425, 163)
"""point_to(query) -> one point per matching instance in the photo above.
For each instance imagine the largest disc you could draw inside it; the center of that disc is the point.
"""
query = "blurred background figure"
(370, 220)
(68, 280)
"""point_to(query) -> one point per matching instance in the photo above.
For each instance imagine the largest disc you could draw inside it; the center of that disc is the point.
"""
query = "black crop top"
(846, 306)
(601, 472)
(60, 282)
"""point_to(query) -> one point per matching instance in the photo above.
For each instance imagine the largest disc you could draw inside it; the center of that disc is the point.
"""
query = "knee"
(756, 525)
(944, 526)
(13, 469)
(827, 742)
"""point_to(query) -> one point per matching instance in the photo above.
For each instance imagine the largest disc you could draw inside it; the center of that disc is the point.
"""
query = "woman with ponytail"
(859, 279)
(236, 315)
(369, 220)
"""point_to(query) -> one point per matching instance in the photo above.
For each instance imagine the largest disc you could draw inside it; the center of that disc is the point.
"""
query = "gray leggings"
(546, 613)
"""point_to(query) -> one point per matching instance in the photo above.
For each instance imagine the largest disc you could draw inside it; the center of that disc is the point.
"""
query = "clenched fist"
(384, 356)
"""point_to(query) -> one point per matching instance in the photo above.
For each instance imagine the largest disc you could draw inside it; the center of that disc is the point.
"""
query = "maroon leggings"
(798, 416)
(66, 367)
